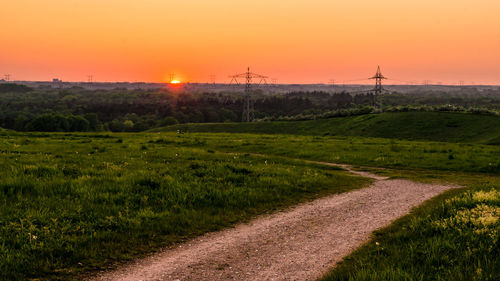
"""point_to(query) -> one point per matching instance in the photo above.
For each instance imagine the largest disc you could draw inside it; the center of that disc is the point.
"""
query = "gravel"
(300, 243)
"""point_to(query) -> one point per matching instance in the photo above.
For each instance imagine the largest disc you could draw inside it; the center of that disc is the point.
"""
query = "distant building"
(57, 82)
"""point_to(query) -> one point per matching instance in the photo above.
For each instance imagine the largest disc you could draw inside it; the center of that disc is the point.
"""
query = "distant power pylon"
(90, 79)
(248, 112)
(332, 82)
(172, 76)
(212, 78)
(378, 81)
(7, 77)
(274, 81)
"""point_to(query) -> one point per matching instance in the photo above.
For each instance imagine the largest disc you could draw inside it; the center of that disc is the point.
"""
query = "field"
(77, 202)
(70, 202)
(376, 152)
(431, 126)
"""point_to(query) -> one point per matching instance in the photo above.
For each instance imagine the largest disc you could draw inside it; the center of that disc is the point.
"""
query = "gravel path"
(301, 243)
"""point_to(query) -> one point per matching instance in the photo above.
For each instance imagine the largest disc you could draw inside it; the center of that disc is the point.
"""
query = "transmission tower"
(378, 81)
(90, 79)
(332, 82)
(248, 114)
(274, 81)
(7, 77)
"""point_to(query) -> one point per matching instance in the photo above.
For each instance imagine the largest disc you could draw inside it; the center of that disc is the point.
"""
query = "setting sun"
(175, 82)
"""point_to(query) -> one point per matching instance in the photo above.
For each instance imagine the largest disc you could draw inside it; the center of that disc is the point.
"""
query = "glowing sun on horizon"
(175, 82)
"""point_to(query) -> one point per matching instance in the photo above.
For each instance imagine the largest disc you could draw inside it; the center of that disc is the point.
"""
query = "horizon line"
(430, 83)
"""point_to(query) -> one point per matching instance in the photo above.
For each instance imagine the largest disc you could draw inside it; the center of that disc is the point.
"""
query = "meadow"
(454, 236)
(72, 203)
(428, 126)
(362, 151)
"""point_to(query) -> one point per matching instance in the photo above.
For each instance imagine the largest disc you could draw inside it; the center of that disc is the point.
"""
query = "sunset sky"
(295, 41)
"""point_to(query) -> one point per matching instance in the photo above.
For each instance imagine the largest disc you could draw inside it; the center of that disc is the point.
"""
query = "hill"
(433, 126)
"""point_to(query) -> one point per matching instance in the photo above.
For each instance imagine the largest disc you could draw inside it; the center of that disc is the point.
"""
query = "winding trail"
(301, 243)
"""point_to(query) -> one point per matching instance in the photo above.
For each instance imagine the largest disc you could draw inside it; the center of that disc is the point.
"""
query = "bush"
(57, 123)
(168, 121)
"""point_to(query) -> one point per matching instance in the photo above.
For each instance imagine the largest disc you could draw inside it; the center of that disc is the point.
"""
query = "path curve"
(301, 243)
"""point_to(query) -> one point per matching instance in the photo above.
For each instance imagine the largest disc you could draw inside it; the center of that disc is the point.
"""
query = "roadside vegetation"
(452, 237)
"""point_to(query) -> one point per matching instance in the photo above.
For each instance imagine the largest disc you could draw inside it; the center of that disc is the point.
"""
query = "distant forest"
(121, 110)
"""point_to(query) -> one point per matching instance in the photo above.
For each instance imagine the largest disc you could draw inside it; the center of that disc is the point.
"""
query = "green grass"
(77, 202)
(375, 152)
(454, 236)
(431, 126)
(70, 203)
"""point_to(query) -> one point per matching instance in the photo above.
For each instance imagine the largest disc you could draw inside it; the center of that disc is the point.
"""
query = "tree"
(116, 126)
(14, 88)
(20, 122)
(168, 121)
(78, 124)
(49, 123)
(128, 125)
(94, 123)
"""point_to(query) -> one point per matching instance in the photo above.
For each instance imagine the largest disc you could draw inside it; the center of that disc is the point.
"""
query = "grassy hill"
(434, 126)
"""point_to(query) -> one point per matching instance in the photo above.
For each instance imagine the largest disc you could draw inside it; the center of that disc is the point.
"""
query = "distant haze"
(295, 41)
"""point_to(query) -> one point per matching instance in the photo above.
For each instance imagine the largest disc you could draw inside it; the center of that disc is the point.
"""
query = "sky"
(293, 41)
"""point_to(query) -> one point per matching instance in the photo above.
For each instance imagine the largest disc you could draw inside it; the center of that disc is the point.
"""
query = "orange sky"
(295, 41)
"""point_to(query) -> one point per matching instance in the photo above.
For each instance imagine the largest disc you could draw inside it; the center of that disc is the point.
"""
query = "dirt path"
(301, 243)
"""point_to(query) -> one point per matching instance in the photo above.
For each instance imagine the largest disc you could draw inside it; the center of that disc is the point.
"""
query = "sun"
(175, 82)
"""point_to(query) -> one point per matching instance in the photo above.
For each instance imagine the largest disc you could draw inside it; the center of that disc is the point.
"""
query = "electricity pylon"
(378, 81)
(248, 112)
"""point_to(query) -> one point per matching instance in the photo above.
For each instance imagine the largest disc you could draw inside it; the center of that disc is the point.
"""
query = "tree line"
(121, 110)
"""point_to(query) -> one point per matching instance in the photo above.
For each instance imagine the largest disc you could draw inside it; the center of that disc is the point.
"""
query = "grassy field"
(77, 202)
(431, 126)
(376, 152)
(452, 237)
